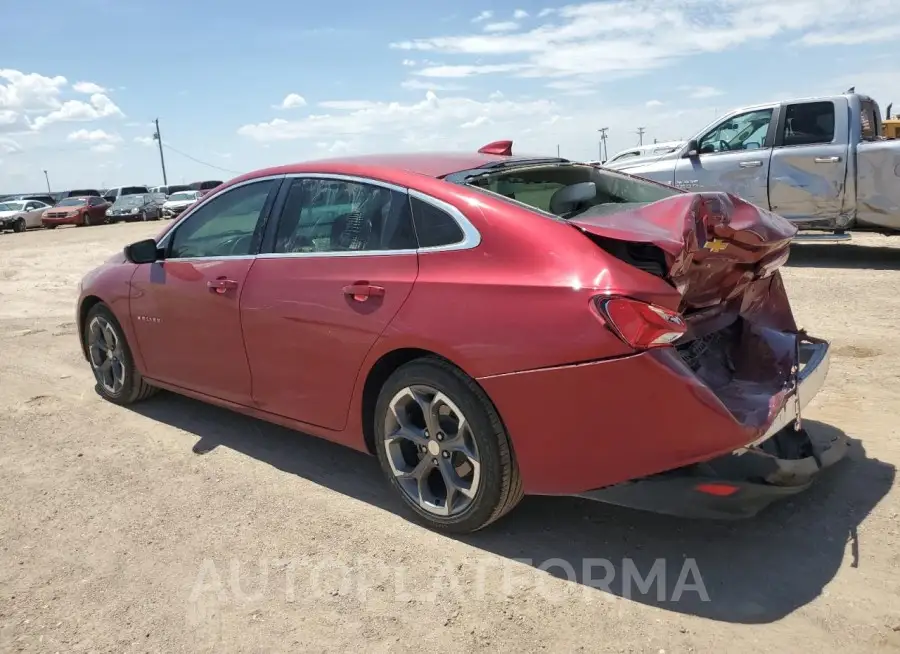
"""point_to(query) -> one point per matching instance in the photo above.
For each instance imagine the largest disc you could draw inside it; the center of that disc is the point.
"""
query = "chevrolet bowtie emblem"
(715, 245)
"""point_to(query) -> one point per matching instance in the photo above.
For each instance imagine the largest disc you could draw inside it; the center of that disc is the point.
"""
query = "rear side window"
(809, 123)
(434, 227)
(325, 215)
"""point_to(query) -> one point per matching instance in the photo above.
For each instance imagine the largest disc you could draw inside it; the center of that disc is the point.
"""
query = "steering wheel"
(723, 146)
(233, 244)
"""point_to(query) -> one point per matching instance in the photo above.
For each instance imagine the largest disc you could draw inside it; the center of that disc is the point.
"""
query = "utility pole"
(47, 177)
(640, 133)
(162, 159)
(557, 150)
(603, 150)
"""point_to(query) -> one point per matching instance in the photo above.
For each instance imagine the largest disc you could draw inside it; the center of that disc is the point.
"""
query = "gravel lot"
(175, 526)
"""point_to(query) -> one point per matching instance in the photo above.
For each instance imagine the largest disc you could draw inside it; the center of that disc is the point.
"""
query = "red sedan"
(488, 325)
(77, 210)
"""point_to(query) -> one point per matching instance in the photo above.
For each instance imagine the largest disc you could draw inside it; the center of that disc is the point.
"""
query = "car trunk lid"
(709, 246)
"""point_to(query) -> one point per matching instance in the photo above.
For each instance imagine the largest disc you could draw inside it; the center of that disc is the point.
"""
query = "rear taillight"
(639, 324)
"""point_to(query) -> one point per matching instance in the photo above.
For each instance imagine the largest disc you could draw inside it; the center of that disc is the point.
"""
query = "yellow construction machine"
(890, 126)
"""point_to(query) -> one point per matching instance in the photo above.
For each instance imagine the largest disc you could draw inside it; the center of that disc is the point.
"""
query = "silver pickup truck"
(820, 162)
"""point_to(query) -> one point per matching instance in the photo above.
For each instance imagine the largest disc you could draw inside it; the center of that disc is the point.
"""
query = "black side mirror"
(693, 149)
(143, 252)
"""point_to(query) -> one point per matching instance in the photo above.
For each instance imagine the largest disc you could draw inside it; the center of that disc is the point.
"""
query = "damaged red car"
(488, 325)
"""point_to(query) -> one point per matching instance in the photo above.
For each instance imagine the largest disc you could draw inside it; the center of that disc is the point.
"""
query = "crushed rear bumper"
(784, 461)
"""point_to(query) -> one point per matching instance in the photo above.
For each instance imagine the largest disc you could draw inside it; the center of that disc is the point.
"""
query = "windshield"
(12, 206)
(569, 190)
(185, 195)
(133, 190)
(72, 202)
(129, 200)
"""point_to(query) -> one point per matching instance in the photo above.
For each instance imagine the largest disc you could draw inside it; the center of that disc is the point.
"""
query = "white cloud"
(543, 13)
(9, 146)
(654, 103)
(475, 122)
(701, 92)
(144, 140)
(29, 92)
(93, 136)
(431, 120)
(409, 62)
(100, 106)
(466, 70)
(483, 16)
(348, 105)
(429, 85)
(504, 26)
(292, 101)
(103, 147)
(600, 41)
(87, 88)
(519, 14)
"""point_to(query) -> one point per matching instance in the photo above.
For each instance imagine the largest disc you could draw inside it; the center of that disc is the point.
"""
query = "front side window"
(809, 123)
(745, 131)
(325, 215)
(225, 226)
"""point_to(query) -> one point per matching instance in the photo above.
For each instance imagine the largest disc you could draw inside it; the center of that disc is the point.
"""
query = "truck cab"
(802, 159)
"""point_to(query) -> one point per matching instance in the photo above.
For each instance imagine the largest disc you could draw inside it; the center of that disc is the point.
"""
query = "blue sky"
(78, 97)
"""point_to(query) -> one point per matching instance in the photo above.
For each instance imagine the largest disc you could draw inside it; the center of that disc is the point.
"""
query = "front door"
(185, 308)
(809, 163)
(733, 157)
(341, 262)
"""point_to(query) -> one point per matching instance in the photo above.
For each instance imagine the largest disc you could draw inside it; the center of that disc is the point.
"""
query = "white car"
(19, 215)
(644, 152)
(178, 202)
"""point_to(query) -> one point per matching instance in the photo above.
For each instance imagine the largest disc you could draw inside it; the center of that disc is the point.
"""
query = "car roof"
(430, 164)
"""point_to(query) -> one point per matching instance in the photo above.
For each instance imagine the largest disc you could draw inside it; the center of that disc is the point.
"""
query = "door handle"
(751, 164)
(362, 291)
(221, 285)
(827, 159)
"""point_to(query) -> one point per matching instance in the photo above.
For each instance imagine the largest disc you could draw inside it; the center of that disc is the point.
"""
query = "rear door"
(809, 163)
(185, 308)
(733, 157)
(337, 266)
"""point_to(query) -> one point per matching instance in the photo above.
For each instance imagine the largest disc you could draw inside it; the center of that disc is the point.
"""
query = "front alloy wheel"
(118, 379)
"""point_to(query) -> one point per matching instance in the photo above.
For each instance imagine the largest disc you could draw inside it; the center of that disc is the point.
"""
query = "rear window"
(569, 190)
(133, 190)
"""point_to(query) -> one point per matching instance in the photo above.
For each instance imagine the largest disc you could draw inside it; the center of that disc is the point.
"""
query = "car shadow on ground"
(754, 571)
(844, 255)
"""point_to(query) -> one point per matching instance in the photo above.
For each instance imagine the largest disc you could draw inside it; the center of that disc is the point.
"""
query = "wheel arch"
(383, 368)
(88, 302)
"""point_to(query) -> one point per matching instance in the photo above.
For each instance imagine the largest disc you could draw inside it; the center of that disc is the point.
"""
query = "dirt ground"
(175, 526)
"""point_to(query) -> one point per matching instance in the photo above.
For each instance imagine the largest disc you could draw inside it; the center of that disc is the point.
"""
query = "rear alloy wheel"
(19, 226)
(444, 449)
(118, 380)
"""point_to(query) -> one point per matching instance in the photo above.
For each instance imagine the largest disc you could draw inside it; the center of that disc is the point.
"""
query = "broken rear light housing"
(640, 324)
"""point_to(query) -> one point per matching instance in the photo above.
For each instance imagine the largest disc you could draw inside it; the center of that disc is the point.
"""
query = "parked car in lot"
(487, 325)
(47, 199)
(113, 194)
(81, 211)
(819, 162)
(81, 193)
(19, 215)
(140, 206)
(170, 189)
(645, 152)
(178, 202)
(205, 187)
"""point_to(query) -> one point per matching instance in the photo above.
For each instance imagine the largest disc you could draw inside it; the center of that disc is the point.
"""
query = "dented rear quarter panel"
(878, 185)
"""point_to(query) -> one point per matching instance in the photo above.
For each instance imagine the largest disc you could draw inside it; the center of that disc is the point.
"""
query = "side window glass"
(742, 132)
(434, 227)
(31, 206)
(322, 215)
(223, 227)
(809, 123)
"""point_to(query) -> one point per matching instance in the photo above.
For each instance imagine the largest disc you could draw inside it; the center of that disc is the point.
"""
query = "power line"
(204, 163)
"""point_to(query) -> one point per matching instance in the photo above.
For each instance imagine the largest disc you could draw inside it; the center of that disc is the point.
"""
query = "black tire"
(134, 388)
(143, 216)
(500, 486)
(51, 226)
(19, 226)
